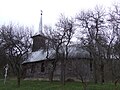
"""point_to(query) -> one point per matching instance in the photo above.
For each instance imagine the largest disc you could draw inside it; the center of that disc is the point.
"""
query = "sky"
(27, 12)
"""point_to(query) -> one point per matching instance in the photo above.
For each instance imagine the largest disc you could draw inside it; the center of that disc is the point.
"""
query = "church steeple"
(40, 24)
(39, 39)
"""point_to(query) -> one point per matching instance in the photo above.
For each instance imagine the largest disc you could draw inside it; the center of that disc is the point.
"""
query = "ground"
(43, 85)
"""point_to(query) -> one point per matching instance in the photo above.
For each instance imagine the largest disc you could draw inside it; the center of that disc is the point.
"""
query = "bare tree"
(93, 25)
(61, 39)
(114, 22)
(16, 43)
(66, 27)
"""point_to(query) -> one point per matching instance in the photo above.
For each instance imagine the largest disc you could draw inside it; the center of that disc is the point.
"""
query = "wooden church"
(38, 66)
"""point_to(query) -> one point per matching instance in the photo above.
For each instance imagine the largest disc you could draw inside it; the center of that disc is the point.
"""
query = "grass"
(44, 85)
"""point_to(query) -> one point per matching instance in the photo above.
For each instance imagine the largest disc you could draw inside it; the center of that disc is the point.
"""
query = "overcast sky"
(27, 12)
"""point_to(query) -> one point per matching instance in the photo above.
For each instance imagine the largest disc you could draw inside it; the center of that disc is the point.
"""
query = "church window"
(42, 67)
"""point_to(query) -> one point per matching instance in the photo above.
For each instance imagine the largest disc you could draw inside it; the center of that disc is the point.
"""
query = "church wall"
(33, 70)
(74, 68)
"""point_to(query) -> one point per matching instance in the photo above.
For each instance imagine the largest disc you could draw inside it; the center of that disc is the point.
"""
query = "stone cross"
(6, 72)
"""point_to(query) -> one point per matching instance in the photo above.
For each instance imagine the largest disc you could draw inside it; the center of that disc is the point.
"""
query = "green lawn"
(42, 85)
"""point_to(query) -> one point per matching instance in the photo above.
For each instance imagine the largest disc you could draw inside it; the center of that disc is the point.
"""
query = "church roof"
(38, 56)
(74, 52)
(77, 52)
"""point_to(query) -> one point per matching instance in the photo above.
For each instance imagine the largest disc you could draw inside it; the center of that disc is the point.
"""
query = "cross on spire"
(41, 12)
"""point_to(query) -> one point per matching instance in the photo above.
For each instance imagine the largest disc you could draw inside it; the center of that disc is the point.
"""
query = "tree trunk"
(91, 68)
(18, 74)
(18, 77)
(62, 72)
(51, 77)
(84, 86)
(18, 81)
(54, 66)
(95, 73)
(84, 83)
(102, 72)
(112, 71)
(52, 72)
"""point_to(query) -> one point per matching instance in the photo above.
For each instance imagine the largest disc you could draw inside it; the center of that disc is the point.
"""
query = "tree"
(16, 44)
(93, 25)
(61, 39)
(114, 23)
(66, 26)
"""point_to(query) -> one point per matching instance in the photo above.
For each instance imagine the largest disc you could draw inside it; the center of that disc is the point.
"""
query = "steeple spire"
(40, 24)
